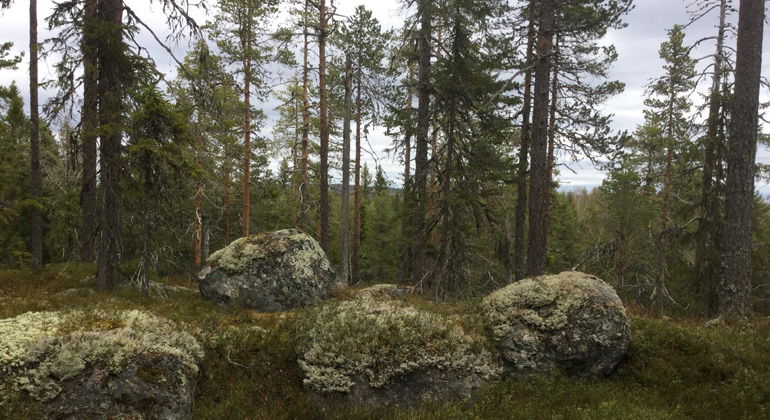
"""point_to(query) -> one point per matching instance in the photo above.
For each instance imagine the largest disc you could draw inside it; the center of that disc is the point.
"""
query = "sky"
(638, 62)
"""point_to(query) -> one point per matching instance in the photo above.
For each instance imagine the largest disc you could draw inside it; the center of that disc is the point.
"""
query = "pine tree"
(735, 282)
(239, 29)
(710, 222)
(323, 109)
(345, 225)
(539, 184)
(112, 64)
(36, 182)
(364, 41)
(519, 249)
(668, 106)
(88, 133)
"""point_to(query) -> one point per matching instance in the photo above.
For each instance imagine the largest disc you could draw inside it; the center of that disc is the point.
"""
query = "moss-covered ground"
(677, 368)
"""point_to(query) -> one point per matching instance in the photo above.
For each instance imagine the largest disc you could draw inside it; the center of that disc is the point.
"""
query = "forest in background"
(146, 173)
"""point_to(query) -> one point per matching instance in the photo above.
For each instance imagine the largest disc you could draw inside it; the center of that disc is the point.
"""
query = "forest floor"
(677, 368)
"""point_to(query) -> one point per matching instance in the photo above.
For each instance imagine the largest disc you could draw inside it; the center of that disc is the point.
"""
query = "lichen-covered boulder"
(122, 364)
(383, 351)
(572, 323)
(269, 272)
(385, 290)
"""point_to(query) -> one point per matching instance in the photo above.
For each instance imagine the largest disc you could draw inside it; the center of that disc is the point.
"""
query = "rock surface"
(572, 323)
(378, 351)
(386, 290)
(123, 364)
(269, 272)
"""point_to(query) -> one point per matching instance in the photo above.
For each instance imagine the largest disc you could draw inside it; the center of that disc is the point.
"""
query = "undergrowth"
(676, 369)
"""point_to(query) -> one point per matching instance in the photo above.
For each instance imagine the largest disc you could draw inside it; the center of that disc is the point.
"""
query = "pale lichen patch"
(380, 340)
(39, 350)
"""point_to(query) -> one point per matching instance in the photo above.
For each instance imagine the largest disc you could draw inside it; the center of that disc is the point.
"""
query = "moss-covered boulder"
(123, 364)
(269, 272)
(381, 351)
(572, 323)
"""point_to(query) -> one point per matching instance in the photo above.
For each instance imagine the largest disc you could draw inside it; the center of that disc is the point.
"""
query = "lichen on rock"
(571, 323)
(72, 361)
(382, 351)
(270, 272)
(385, 290)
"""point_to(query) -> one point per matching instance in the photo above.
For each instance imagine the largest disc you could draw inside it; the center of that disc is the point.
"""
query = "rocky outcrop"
(571, 323)
(377, 350)
(268, 272)
(123, 364)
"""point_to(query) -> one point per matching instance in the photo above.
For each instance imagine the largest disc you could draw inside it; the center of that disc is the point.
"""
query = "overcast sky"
(637, 45)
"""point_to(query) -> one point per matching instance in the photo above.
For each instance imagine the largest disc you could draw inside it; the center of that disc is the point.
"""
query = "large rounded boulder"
(269, 272)
(121, 364)
(572, 323)
(382, 351)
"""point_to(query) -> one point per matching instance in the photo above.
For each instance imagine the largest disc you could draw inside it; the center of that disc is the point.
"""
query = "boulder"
(383, 351)
(385, 290)
(269, 272)
(122, 364)
(572, 323)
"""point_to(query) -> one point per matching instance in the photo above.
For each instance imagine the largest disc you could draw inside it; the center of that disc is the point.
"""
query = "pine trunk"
(406, 192)
(246, 45)
(735, 284)
(111, 57)
(301, 221)
(420, 237)
(345, 228)
(662, 260)
(88, 132)
(36, 242)
(539, 187)
(710, 223)
(323, 225)
(356, 247)
(521, 182)
(198, 226)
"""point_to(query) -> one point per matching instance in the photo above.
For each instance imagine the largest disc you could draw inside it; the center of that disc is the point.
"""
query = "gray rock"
(269, 272)
(572, 323)
(389, 290)
(123, 364)
(381, 351)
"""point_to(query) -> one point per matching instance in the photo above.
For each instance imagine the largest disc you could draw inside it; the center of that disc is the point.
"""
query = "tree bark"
(539, 186)
(406, 228)
(198, 226)
(88, 132)
(345, 228)
(707, 253)
(356, 246)
(420, 193)
(521, 182)
(246, 46)
(111, 55)
(662, 260)
(36, 242)
(226, 201)
(301, 221)
(323, 225)
(735, 282)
